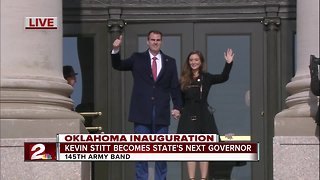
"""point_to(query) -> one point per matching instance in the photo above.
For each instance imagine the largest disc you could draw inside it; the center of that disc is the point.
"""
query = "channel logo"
(40, 151)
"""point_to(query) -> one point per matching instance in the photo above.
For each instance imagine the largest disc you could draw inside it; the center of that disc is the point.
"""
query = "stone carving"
(166, 10)
(116, 25)
(140, 3)
(272, 24)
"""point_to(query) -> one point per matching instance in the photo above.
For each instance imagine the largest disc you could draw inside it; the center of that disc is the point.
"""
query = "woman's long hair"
(186, 74)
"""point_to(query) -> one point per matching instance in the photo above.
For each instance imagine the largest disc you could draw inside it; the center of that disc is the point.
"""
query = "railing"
(89, 116)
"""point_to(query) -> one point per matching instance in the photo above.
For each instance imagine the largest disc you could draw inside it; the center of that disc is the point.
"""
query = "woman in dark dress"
(196, 117)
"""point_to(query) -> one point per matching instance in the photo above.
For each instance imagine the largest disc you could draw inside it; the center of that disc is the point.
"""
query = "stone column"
(295, 145)
(302, 104)
(116, 116)
(34, 95)
(272, 25)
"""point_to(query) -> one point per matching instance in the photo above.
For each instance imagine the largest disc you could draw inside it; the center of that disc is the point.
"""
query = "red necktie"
(154, 68)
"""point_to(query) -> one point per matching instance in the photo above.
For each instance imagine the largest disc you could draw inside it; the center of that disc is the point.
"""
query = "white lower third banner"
(152, 147)
(158, 157)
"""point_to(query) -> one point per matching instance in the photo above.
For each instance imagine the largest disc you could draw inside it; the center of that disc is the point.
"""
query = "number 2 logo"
(39, 149)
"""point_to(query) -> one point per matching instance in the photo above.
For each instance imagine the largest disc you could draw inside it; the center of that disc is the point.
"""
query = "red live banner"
(43, 23)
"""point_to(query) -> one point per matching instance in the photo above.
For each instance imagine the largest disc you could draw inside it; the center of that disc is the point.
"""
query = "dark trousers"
(142, 166)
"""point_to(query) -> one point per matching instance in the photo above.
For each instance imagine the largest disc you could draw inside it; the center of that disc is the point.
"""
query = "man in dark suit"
(155, 81)
(315, 81)
(70, 75)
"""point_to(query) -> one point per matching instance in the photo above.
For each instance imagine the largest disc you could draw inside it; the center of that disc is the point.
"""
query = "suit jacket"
(147, 93)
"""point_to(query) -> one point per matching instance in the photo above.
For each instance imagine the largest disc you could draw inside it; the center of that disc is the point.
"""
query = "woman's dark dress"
(195, 116)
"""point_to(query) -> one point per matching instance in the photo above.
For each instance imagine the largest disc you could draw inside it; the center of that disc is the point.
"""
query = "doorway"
(238, 102)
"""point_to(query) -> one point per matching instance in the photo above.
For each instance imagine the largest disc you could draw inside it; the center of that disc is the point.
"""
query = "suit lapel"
(147, 67)
(164, 61)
